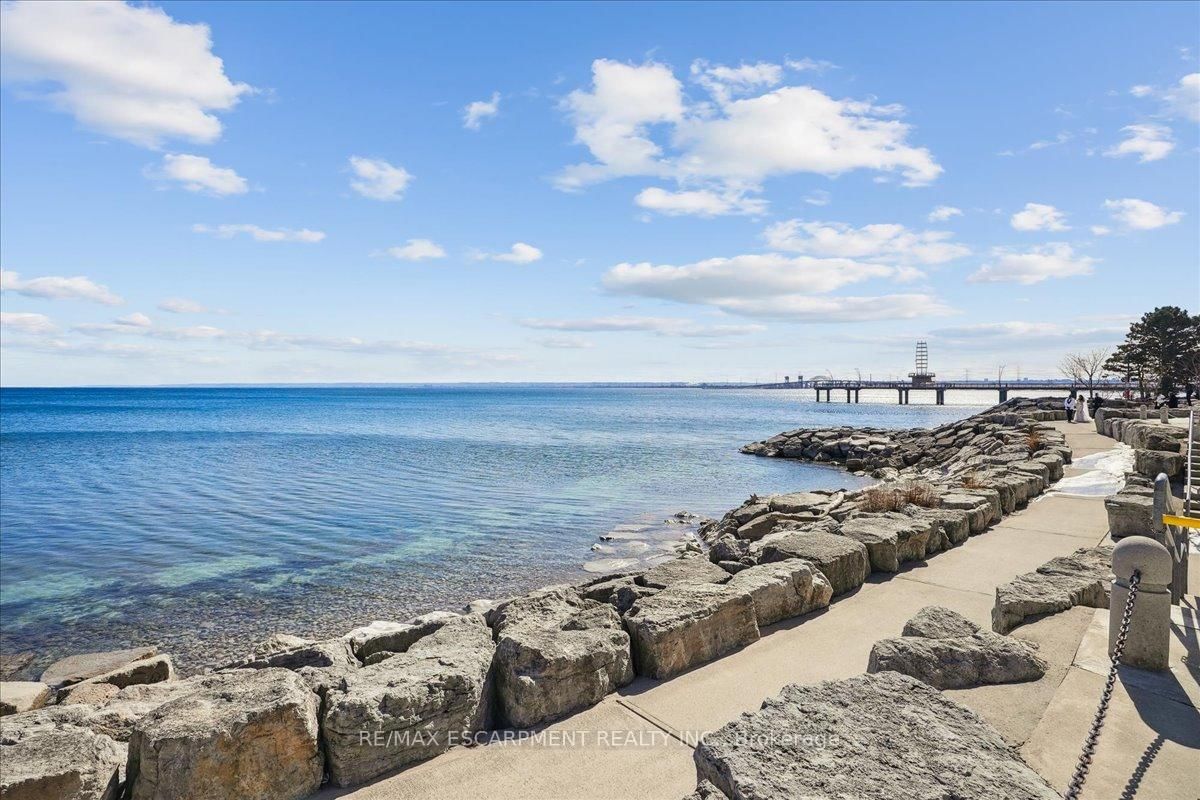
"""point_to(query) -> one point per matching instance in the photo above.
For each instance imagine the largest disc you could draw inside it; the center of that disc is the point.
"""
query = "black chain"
(1089, 744)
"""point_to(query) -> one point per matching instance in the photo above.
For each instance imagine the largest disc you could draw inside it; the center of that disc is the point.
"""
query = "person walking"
(1069, 407)
(1081, 410)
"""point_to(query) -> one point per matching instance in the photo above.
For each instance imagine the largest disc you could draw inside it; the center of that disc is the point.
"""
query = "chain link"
(1089, 743)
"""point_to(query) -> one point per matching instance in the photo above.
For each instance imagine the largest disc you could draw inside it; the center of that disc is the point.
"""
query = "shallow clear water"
(201, 518)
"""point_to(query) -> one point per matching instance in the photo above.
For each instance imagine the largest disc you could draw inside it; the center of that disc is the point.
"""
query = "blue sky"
(240, 192)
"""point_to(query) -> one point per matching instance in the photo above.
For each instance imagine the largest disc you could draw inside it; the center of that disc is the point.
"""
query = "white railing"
(1189, 475)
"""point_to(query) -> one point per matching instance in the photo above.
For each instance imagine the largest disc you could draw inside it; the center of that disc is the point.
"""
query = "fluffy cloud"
(1039, 217)
(1141, 215)
(58, 288)
(1183, 99)
(1100, 230)
(260, 234)
(180, 305)
(198, 174)
(802, 308)
(987, 335)
(943, 213)
(698, 202)
(36, 324)
(520, 253)
(661, 326)
(137, 320)
(1055, 260)
(632, 113)
(377, 179)
(417, 250)
(1147, 141)
(882, 242)
(475, 113)
(810, 65)
(127, 71)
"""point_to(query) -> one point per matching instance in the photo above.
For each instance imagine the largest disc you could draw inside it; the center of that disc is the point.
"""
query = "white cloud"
(127, 71)
(475, 113)
(520, 253)
(1147, 141)
(135, 320)
(1141, 90)
(417, 250)
(1183, 99)
(818, 197)
(986, 335)
(802, 308)
(943, 213)
(662, 326)
(1141, 215)
(36, 324)
(180, 305)
(1054, 260)
(198, 174)
(564, 343)
(260, 234)
(379, 180)
(698, 202)
(59, 288)
(810, 65)
(1100, 230)
(884, 242)
(636, 121)
(1039, 217)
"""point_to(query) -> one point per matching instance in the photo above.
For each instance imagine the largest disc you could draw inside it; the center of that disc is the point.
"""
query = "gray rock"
(951, 526)
(939, 622)
(19, 696)
(328, 653)
(689, 569)
(706, 791)
(250, 734)
(870, 737)
(11, 664)
(557, 653)
(60, 764)
(686, 625)
(890, 539)
(981, 511)
(155, 669)
(959, 662)
(392, 637)
(1080, 579)
(412, 706)
(605, 591)
(1150, 463)
(842, 560)
(74, 669)
(1130, 513)
(783, 589)
(817, 503)
(277, 643)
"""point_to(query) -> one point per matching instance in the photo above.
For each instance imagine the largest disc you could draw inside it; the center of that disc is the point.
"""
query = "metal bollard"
(1148, 639)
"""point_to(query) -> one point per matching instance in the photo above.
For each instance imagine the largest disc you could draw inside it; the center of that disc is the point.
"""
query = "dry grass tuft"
(1033, 440)
(879, 498)
(970, 481)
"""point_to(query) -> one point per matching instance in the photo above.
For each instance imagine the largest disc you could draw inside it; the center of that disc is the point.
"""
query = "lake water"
(201, 519)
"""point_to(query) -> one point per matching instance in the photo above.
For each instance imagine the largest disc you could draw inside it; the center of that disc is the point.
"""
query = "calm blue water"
(201, 518)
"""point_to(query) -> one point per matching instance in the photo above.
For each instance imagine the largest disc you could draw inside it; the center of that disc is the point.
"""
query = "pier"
(904, 388)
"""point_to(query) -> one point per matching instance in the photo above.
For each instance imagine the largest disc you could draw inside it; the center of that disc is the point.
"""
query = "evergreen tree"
(1162, 350)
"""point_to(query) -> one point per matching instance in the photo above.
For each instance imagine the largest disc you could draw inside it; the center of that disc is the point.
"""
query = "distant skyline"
(351, 193)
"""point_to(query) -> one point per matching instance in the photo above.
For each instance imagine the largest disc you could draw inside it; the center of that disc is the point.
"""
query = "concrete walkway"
(636, 744)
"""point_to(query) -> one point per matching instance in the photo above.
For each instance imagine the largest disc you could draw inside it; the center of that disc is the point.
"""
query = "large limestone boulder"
(783, 589)
(64, 763)
(939, 622)
(950, 527)
(871, 736)
(1080, 579)
(155, 669)
(411, 706)
(1130, 512)
(557, 653)
(250, 734)
(688, 569)
(74, 669)
(842, 560)
(891, 539)
(948, 651)
(981, 511)
(19, 696)
(816, 504)
(328, 653)
(688, 624)
(1150, 463)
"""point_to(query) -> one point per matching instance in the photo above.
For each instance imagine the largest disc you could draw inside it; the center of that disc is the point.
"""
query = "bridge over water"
(852, 388)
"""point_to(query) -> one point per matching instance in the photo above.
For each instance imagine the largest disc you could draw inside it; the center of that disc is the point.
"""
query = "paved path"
(635, 743)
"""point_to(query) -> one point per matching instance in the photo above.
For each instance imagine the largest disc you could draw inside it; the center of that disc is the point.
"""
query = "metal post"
(1173, 539)
(1148, 637)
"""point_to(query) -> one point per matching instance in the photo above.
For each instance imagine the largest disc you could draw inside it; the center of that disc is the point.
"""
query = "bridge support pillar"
(941, 397)
(856, 391)
(1003, 395)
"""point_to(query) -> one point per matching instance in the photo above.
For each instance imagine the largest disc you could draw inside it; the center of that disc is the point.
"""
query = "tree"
(1085, 369)
(1162, 349)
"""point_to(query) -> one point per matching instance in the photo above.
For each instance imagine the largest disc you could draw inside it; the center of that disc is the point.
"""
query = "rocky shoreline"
(294, 714)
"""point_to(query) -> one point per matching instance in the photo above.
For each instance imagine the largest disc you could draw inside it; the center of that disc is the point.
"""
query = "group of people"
(1080, 409)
